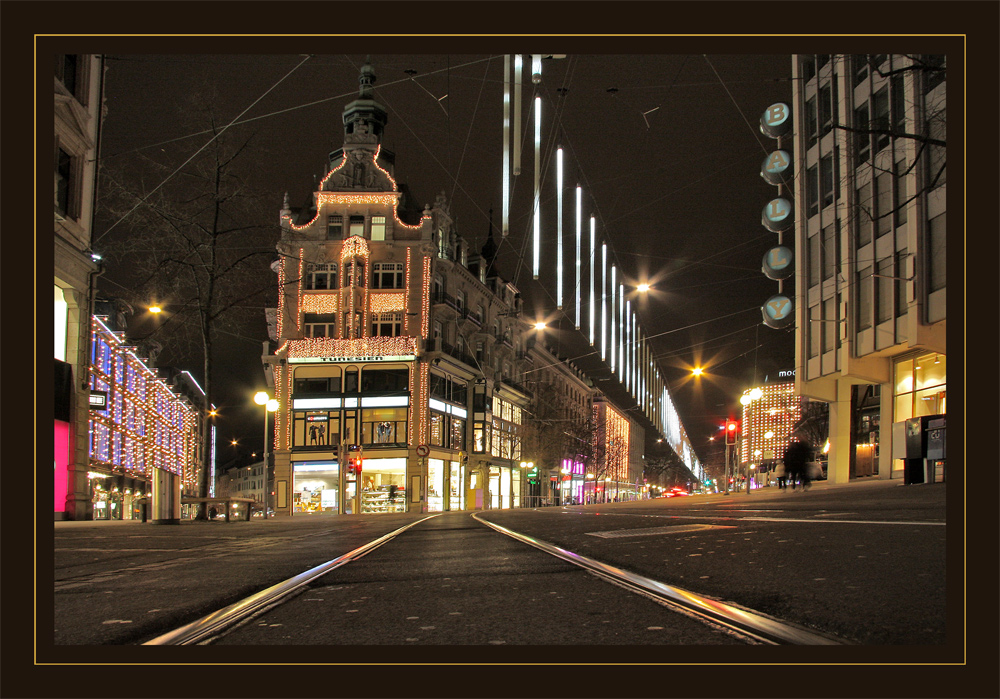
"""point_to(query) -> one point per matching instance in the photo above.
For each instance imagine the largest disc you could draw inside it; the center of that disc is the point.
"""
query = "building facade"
(870, 232)
(243, 482)
(770, 413)
(400, 355)
(618, 464)
(144, 445)
(77, 106)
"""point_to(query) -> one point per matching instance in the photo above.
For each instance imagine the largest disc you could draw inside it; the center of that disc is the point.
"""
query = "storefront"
(501, 485)
(383, 485)
(116, 497)
(920, 388)
(316, 487)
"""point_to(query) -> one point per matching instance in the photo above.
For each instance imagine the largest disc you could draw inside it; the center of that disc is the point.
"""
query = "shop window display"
(383, 485)
(316, 488)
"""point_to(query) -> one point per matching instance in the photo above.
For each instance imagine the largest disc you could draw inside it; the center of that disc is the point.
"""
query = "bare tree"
(196, 241)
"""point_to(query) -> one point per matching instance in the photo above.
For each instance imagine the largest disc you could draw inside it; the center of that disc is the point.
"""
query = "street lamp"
(270, 405)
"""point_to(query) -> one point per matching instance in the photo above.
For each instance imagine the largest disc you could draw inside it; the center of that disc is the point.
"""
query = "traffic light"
(354, 458)
(732, 427)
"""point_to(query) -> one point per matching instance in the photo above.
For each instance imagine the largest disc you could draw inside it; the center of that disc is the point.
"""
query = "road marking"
(656, 531)
(777, 519)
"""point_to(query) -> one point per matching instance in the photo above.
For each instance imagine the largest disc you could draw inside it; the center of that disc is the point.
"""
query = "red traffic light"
(732, 427)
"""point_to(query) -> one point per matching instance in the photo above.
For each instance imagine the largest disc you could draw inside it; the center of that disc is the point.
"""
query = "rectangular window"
(383, 427)
(334, 227)
(811, 125)
(937, 253)
(900, 286)
(883, 203)
(325, 384)
(319, 324)
(388, 275)
(880, 118)
(860, 63)
(826, 178)
(322, 277)
(825, 109)
(864, 215)
(64, 183)
(357, 226)
(862, 141)
(899, 195)
(815, 331)
(935, 73)
(936, 160)
(315, 428)
(812, 191)
(387, 324)
(830, 252)
(808, 68)
(864, 285)
(884, 285)
(815, 260)
(378, 227)
(67, 69)
(898, 104)
(829, 325)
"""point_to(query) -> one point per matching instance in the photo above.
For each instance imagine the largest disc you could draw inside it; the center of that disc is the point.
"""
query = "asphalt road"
(863, 561)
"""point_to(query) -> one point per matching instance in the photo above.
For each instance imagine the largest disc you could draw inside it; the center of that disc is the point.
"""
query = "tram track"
(748, 625)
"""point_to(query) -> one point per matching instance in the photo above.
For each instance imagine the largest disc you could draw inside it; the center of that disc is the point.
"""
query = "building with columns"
(870, 234)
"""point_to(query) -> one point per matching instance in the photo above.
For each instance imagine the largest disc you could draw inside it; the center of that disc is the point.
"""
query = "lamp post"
(270, 405)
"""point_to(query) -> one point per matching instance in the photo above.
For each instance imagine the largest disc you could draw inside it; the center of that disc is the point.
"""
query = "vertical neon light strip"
(627, 360)
(621, 334)
(614, 322)
(517, 110)
(504, 225)
(559, 228)
(604, 302)
(579, 207)
(538, 148)
(593, 248)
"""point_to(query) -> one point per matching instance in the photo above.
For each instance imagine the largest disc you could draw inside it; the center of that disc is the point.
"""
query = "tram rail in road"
(752, 626)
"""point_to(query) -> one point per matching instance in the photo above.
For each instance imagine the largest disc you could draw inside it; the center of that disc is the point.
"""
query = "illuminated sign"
(778, 263)
(776, 121)
(774, 166)
(777, 215)
(99, 400)
(778, 311)
(341, 360)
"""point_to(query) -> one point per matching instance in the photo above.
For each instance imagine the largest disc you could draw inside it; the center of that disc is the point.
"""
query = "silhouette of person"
(797, 454)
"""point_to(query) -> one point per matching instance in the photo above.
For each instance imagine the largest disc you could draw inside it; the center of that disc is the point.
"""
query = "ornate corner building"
(402, 363)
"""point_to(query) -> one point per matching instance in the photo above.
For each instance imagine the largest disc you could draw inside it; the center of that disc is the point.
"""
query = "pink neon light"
(61, 485)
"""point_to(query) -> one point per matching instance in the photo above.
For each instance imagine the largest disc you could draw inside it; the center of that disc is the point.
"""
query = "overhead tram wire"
(207, 143)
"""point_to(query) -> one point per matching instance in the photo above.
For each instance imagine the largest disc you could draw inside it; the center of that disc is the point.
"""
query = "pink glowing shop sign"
(61, 484)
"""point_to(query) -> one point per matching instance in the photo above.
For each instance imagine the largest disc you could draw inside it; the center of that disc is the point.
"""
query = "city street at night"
(859, 564)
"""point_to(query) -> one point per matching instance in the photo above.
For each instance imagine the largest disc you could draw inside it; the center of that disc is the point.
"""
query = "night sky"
(666, 147)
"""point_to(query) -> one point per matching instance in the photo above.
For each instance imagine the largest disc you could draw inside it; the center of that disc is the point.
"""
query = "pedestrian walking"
(796, 455)
(779, 474)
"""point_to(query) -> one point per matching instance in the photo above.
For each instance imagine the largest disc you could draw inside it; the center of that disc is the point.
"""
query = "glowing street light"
(643, 288)
(155, 309)
(697, 371)
(540, 325)
(270, 405)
